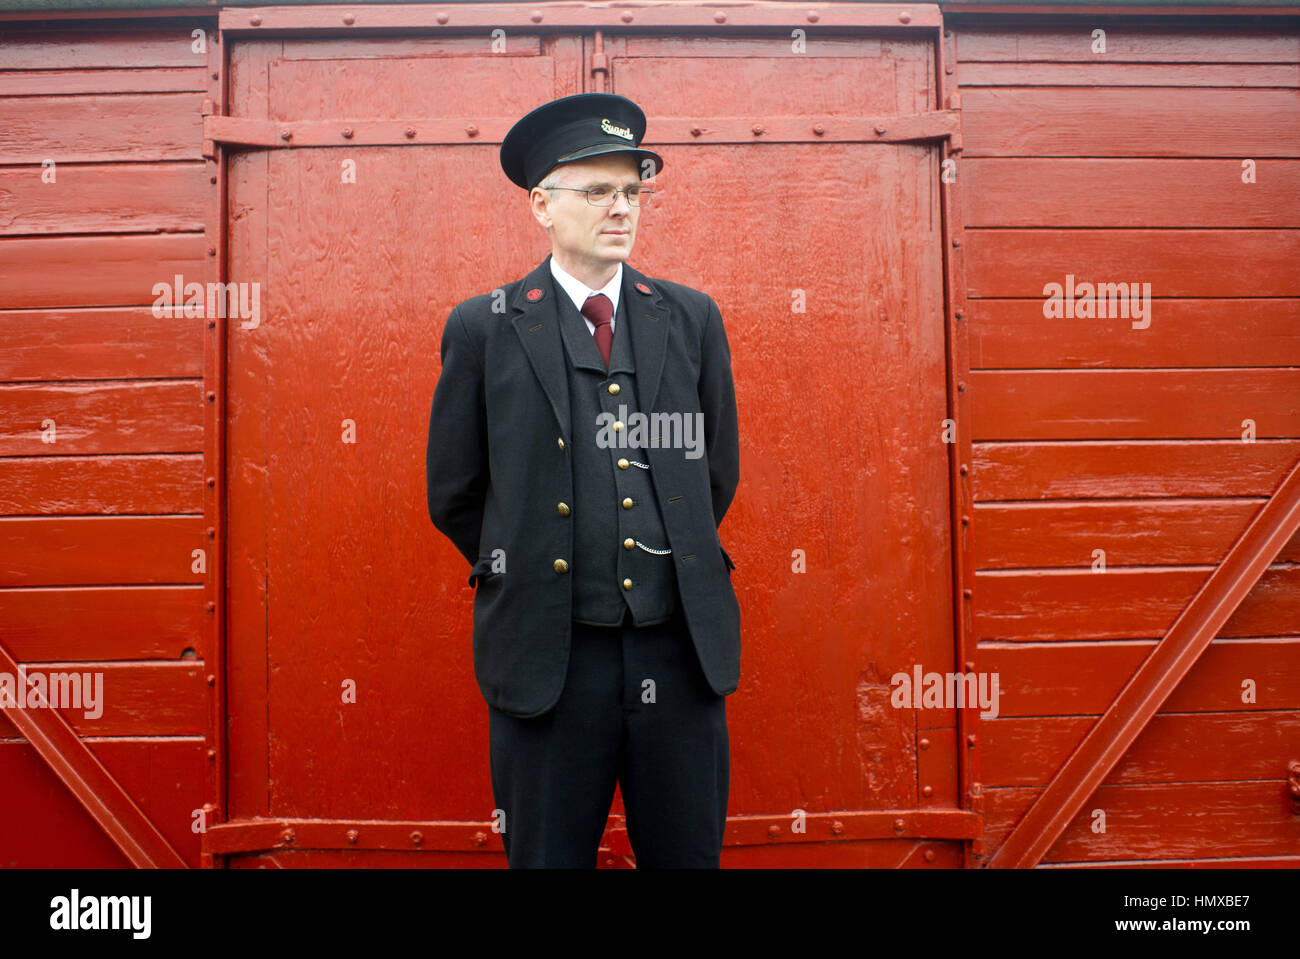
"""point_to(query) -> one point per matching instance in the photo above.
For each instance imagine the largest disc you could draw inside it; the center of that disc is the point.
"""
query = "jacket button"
(563, 509)
(561, 566)
(623, 464)
(629, 543)
(618, 426)
(560, 441)
(613, 389)
(627, 503)
(627, 584)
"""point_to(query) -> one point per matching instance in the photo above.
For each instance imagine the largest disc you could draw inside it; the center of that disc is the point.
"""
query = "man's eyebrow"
(609, 183)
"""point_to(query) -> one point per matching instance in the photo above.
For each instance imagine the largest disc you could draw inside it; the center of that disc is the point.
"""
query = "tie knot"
(598, 309)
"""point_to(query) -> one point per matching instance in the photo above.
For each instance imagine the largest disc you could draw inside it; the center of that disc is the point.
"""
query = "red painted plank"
(1088, 469)
(104, 623)
(154, 416)
(71, 46)
(1130, 43)
(1172, 748)
(97, 271)
(1131, 533)
(101, 484)
(117, 198)
(99, 129)
(32, 83)
(140, 699)
(1064, 121)
(1039, 74)
(1121, 603)
(1213, 820)
(1046, 679)
(1177, 263)
(1008, 334)
(99, 344)
(46, 828)
(518, 44)
(1134, 404)
(1032, 192)
(91, 550)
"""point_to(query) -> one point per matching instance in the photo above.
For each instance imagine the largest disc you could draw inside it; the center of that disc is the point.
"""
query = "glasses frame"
(648, 191)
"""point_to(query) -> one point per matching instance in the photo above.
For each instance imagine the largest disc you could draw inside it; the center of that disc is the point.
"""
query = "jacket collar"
(536, 320)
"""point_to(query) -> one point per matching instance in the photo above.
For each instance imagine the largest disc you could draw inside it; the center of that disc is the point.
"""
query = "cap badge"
(617, 131)
(643, 288)
(534, 295)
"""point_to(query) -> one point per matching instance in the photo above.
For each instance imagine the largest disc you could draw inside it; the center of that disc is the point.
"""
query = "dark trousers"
(664, 742)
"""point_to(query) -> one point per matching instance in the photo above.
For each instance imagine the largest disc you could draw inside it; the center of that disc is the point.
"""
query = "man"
(583, 449)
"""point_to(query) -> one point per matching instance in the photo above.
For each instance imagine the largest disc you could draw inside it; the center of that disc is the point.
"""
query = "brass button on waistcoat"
(627, 584)
(623, 464)
(618, 426)
(560, 441)
(613, 389)
(561, 566)
(629, 543)
(627, 503)
(563, 509)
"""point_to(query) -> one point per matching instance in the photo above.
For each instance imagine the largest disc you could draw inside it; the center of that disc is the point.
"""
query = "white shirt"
(579, 291)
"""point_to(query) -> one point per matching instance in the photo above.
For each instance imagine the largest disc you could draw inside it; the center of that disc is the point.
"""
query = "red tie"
(600, 311)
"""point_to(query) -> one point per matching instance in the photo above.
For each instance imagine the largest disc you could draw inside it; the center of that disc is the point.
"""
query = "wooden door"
(824, 255)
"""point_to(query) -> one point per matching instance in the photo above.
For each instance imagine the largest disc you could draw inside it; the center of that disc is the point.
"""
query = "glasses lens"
(600, 196)
(639, 196)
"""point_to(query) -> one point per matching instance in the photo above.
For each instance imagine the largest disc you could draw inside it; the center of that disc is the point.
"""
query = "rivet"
(961, 386)
(441, 18)
(347, 133)
(813, 16)
(535, 16)
(410, 132)
(212, 179)
(947, 70)
(212, 754)
(480, 839)
(774, 831)
(881, 128)
(349, 19)
(212, 481)
(819, 129)
(212, 531)
(286, 134)
(924, 744)
(609, 862)
(837, 827)
(970, 741)
(963, 469)
(212, 397)
(287, 835)
(471, 130)
(627, 16)
(719, 17)
(927, 791)
(212, 680)
(929, 855)
(956, 241)
(212, 324)
(696, 131)
(961, 314)
(212, 606)
(255, 20)
(216, 76)
(905, 16)
(966, 594)
(970, 666)
(417, 837)
(899, 825)
(965, 520)
(352, 837)
(758, 129)
(212, 251)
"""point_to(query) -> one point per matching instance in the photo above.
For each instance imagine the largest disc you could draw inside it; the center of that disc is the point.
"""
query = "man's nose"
(621, 205)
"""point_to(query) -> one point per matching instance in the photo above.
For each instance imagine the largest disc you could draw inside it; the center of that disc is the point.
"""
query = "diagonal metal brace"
(93, 786)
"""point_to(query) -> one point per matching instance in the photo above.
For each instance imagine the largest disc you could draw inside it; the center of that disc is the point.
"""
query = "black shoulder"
(689, 299)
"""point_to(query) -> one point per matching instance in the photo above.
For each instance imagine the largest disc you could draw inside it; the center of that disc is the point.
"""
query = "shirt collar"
(579, 291)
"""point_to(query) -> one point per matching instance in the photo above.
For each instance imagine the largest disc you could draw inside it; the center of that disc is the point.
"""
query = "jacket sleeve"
(456, 461)
(718, 403)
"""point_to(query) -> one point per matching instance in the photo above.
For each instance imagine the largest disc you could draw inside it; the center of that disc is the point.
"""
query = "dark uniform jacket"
(499, 464)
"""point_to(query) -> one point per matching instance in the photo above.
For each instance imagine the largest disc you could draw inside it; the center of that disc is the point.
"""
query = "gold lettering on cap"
(623, 132)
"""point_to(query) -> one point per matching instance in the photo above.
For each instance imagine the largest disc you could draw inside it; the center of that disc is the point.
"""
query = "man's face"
(581, 234)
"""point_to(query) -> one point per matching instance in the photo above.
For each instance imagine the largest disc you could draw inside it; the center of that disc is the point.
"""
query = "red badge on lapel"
(534, 295)
(643, 288)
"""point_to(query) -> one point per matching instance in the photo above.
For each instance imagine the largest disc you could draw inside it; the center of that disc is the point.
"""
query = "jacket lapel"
(648, 316)
(537, 324)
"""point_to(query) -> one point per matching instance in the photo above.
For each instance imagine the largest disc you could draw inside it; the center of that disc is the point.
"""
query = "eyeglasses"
(604, 196)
